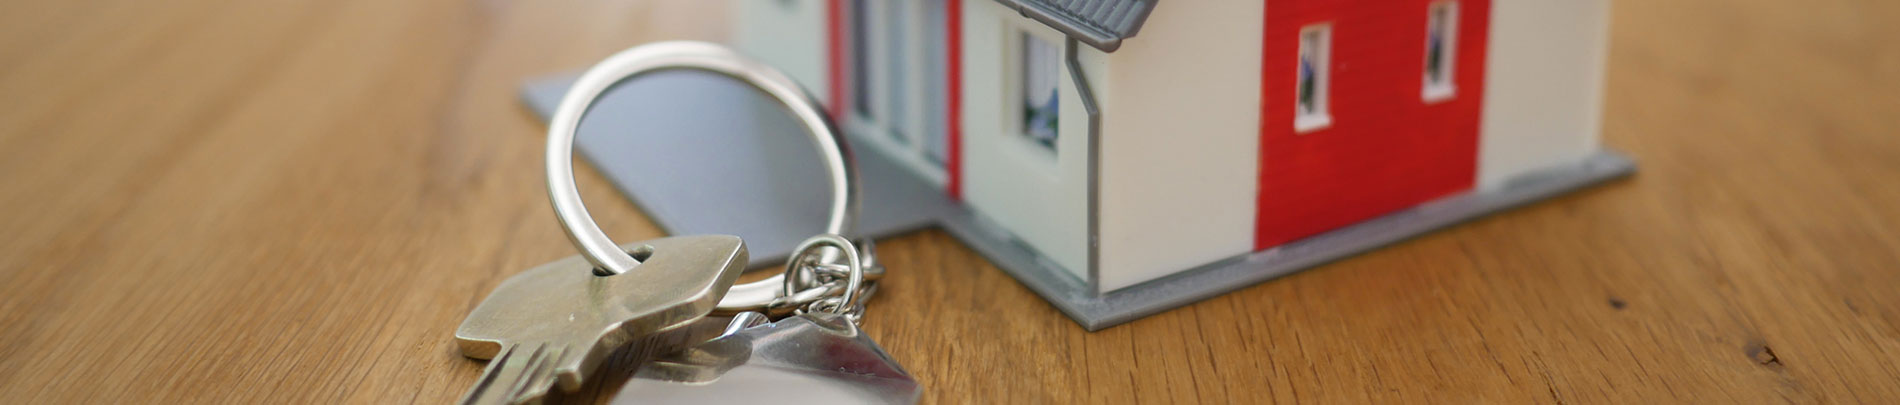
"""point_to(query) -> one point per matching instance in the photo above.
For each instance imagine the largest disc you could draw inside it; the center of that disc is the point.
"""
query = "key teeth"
(516, 366)
(567, 371)
(479, 349)
(525, 385)
(540, 378)
(483, 386)
(535, 373)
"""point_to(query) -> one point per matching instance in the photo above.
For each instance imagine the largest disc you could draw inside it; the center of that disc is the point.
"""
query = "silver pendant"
(815, 357)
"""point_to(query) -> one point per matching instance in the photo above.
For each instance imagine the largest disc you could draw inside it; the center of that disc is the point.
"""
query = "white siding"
(1181, 142)
(787, 34)
(1039, 196)
(1543, 101)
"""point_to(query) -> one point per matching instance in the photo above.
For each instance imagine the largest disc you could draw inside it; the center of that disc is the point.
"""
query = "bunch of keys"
(553, 325)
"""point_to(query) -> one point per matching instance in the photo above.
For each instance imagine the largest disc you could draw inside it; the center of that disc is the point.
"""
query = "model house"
(1124, 141)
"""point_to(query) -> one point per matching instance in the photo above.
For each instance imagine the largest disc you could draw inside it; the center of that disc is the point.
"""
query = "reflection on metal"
(817, 358)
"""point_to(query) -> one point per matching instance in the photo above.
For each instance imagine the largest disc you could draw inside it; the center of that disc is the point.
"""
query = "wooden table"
(268, 201)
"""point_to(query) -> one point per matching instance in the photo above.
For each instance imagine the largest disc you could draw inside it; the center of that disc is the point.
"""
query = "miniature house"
(1124, 142)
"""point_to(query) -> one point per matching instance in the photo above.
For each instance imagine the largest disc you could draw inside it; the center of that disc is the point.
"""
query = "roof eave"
(1085, 30)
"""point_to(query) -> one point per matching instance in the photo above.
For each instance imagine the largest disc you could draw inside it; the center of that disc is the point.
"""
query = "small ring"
(580, 226)
(853, 281)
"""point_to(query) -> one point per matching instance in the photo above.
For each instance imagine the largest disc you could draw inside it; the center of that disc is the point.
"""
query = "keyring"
(579, 225)
(854, 276)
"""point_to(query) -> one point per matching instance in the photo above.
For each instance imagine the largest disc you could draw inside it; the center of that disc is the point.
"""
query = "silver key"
(554, 324)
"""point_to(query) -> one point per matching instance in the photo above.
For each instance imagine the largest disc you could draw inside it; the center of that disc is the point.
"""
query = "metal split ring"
(606, 256)
(816, 282)
(854, 313)
(854, 278)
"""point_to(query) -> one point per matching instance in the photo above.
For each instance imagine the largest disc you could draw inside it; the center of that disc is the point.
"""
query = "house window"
(1441, 51)
(1314, 79)
(1041, 69)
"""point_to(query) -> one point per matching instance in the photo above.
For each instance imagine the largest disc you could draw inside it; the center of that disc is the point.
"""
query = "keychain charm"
(817, 356)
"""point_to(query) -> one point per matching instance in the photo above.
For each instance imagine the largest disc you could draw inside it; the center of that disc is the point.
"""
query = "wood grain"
(272, 201)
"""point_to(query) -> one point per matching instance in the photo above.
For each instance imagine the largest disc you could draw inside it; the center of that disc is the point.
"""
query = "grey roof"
(1102, 24)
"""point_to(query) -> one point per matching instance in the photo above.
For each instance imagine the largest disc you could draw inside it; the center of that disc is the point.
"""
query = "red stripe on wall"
(834, 56)
(954, 44)
(1267, 59)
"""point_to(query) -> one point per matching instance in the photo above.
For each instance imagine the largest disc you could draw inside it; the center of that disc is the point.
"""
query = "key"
(816, 357)
(554, 324)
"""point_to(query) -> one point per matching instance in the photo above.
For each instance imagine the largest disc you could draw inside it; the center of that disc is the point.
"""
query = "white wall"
(1041, 197)
(1543, 104)
(1181, 142)
(787, 34)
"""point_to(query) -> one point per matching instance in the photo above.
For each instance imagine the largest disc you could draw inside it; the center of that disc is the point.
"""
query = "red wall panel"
(834, 58)
(1387, 149)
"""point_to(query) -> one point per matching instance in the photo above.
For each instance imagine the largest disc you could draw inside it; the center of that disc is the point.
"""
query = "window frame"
(1444, 87)
(1019, 70)
(1321, 116)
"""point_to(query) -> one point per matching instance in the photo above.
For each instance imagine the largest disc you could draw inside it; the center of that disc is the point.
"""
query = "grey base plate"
(704, 154)
(1095, 312)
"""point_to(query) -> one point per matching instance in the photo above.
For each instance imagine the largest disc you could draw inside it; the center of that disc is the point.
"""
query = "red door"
(1386, 148)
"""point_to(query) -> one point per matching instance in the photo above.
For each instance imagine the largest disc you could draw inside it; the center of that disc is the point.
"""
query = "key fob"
(810, 358)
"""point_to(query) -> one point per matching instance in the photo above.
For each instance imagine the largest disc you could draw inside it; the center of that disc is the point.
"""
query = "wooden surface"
(269, 201)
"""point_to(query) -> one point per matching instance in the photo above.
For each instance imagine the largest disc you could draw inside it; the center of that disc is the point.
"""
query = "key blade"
(518, 374)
